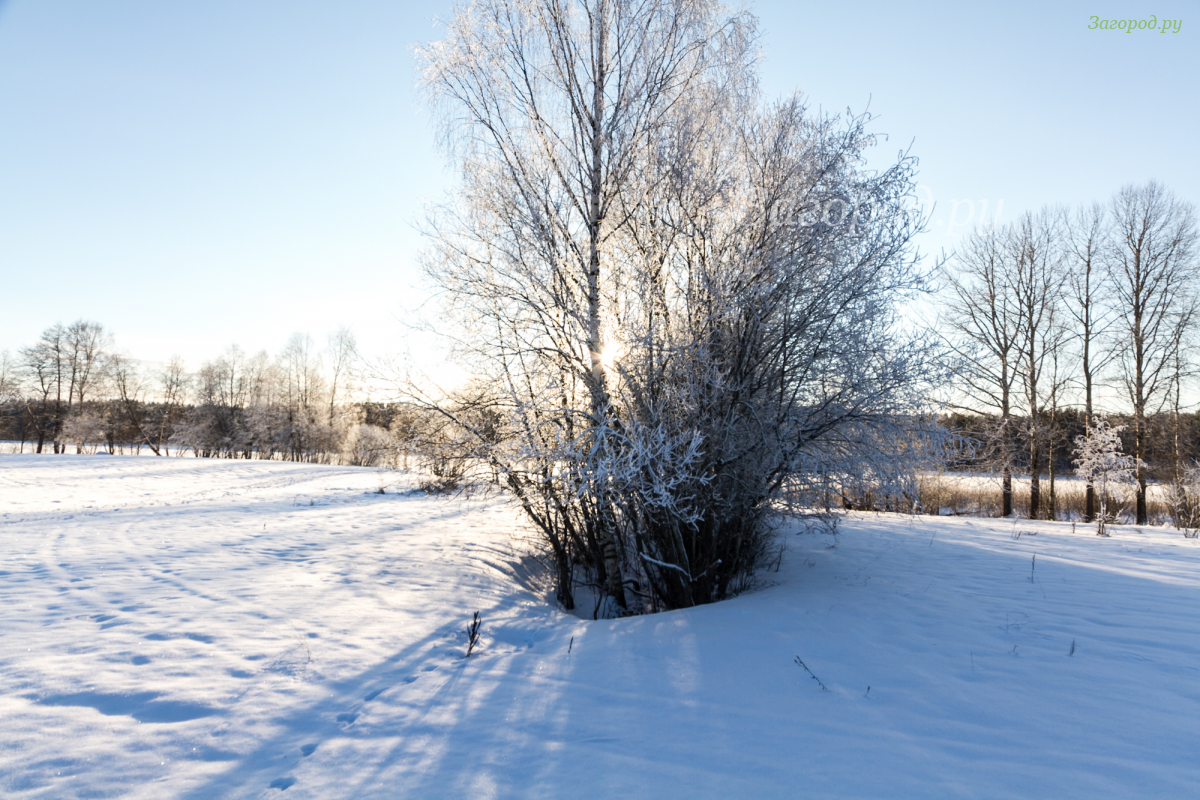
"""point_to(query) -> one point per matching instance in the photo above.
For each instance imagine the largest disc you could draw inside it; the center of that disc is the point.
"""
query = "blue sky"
(198, 174)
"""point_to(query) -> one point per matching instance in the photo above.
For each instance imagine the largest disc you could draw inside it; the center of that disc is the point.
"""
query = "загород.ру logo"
(1131, 25)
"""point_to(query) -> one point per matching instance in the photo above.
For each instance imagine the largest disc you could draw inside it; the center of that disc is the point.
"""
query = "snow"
(198, 628)
(1065, 483)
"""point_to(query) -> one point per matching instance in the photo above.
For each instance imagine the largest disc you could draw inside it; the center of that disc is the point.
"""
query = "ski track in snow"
(200, 628)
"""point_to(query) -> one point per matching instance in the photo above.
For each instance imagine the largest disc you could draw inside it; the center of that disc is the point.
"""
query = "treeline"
(73, 391)
(1045, 315)
(1061, 442)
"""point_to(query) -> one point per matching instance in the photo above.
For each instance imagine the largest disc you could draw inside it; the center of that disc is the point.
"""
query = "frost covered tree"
(678, 299)
(1101, 463)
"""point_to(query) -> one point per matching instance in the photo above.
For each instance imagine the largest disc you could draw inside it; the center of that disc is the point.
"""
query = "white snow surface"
(193, 628)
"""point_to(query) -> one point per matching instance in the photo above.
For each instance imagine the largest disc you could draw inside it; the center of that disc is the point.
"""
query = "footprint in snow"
(347, 717)
(308, 749)
(373, 695)
(283, 783)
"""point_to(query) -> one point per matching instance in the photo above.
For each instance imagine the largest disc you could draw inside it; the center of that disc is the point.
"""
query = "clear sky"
(198, 174)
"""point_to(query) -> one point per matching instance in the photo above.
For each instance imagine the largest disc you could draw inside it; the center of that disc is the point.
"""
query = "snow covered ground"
(192, 628)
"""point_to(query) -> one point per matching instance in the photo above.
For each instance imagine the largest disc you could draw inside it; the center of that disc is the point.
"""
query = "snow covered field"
(194, 628)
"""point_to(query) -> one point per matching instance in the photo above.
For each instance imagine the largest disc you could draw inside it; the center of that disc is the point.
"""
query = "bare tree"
(1183, 370)
(1059, 382)
(1152, 269)
(131, 398)
(65, 363)
(983, 324)
(173, 383)
(44, 364)
(343, 352)
(305, 389)
(1037, 277)
(222, 389)
(268, 423)
(87, 345)
(1087, 240)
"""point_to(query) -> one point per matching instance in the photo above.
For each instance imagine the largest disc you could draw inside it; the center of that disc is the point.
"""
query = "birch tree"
(551, 106)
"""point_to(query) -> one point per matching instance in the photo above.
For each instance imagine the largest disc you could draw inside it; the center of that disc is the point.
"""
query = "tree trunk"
(1089, 494)
(1140, 447)
(1006, 493)
(1035, 485)
(1006, 490)
(1052, 509)
(601, 405)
